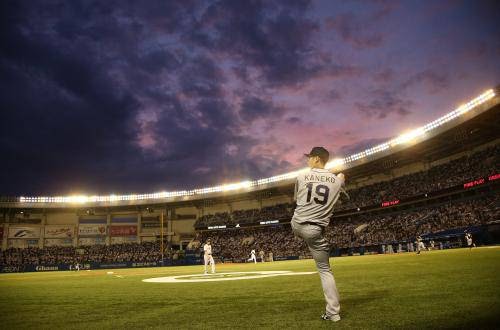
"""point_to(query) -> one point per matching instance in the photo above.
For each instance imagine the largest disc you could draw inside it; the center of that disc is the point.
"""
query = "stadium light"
(79, 199)
(402, 139)
(408, 137)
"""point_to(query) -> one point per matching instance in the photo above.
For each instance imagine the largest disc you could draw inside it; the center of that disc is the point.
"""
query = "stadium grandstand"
(436, 181)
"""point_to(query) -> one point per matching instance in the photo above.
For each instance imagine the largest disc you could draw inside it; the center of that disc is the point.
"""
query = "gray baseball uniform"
(316, 192)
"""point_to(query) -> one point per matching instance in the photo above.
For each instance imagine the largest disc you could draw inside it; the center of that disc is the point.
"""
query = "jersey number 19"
(321, 191)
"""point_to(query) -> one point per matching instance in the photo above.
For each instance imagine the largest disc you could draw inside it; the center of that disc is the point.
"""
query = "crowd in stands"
(236, 244)
(405, 226)
(132, 252)
(381, 229)
(455, 172)
(214, 219)
(275, 212)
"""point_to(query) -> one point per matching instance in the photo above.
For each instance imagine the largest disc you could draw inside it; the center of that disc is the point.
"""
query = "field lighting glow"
(408, 137)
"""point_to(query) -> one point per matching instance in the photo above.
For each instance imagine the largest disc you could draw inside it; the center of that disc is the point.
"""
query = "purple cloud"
(384, 103)
(137, 97)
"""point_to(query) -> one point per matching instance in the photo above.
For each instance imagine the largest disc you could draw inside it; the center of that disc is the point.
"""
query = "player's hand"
(341, 176)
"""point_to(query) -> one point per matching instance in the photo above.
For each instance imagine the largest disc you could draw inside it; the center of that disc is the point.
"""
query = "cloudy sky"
(103, 97)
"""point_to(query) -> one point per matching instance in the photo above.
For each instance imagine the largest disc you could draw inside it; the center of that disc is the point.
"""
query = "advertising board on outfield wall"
(24, 232)
(52, 231)
(123, 230)
(91, 230)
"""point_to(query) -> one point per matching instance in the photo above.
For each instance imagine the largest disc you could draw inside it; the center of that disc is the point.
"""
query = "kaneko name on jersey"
(320, 178)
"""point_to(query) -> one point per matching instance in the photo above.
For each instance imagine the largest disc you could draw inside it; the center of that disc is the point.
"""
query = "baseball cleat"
(333, 318)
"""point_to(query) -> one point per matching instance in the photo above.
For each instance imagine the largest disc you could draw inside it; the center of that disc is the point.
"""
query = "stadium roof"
(471, 124)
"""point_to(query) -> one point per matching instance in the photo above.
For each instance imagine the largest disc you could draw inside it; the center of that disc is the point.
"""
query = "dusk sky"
(101, 97)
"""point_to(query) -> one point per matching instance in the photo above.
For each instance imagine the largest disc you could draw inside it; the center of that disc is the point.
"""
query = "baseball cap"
(320, 152)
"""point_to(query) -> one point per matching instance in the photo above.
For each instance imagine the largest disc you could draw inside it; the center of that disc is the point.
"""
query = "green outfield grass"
(438, 289)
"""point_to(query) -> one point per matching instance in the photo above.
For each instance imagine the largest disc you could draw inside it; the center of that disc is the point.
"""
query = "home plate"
(234, 276)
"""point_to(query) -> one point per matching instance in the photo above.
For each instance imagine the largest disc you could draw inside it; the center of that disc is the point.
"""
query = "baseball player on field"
(468, 238)
(207, 248)
(316, 192)
(262, 255)
(252, 256)
(420, 244)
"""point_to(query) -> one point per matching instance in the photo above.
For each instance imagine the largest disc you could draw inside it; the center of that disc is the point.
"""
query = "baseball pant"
(209, 259)
(320, 250)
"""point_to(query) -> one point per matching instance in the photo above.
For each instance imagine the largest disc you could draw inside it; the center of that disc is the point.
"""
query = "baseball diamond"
(234, 276)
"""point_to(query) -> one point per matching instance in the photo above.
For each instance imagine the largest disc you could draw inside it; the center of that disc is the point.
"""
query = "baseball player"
(316, 192)
(252, 256)
(420, 244)
(262, 254)
(468, 238)
(207, 248)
